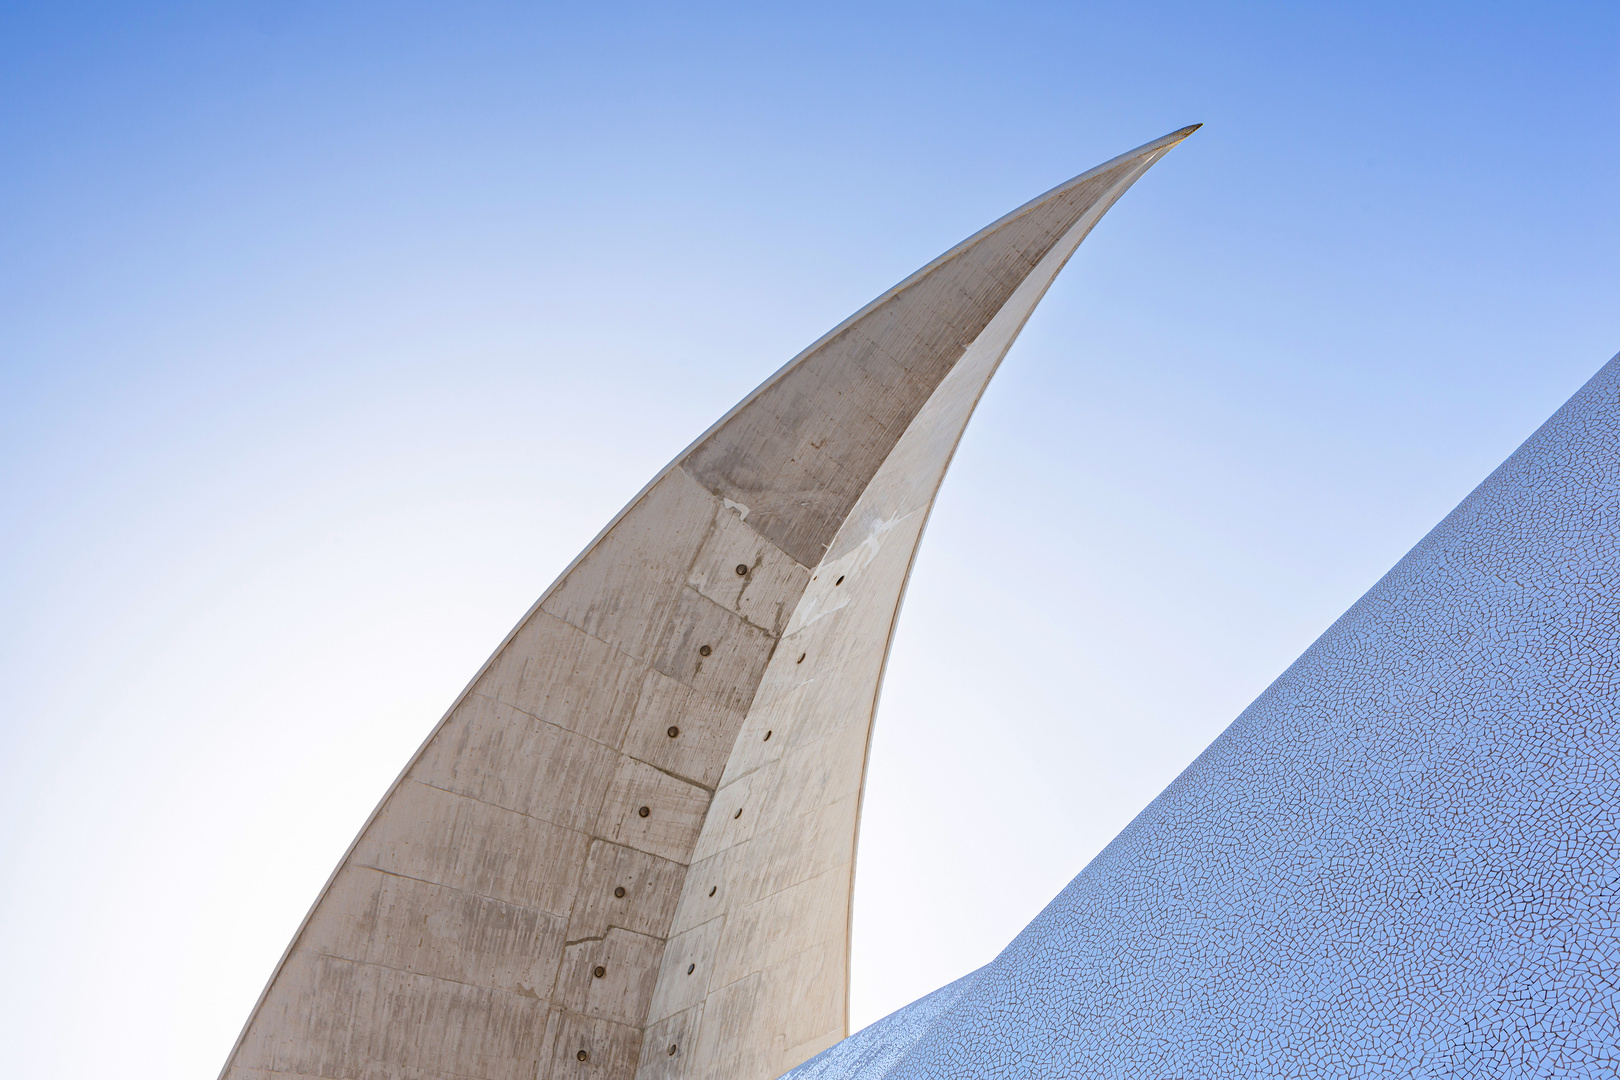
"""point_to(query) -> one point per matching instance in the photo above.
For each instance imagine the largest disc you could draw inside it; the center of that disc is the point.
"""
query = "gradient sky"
(329, 333)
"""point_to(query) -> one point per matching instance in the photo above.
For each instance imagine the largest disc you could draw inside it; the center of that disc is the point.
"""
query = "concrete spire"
(1403, 860)
(627, 849)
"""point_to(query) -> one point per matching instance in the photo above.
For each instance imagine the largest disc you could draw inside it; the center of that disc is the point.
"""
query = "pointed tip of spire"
(1161, 145)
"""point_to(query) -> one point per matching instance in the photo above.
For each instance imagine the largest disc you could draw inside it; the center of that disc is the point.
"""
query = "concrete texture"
(627, 850)
(1402, 860)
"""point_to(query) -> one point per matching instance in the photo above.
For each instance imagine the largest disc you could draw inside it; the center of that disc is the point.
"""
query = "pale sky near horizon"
(330, 333)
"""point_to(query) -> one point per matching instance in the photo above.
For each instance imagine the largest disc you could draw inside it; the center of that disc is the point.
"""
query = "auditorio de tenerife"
(626, 851)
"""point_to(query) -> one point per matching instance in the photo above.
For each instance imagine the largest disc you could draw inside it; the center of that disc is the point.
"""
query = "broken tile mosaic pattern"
(1402, 860)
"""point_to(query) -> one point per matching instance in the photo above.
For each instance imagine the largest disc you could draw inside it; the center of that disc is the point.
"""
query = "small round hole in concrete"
(644, 811)
(704, 651)
(599, 971)
(742, 570)
(619, 892)
(583, 1056)
(691, 968)
(673, 731)
(672, 1049)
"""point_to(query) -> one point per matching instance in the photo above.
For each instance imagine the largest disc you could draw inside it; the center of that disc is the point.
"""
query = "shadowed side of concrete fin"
(755, 976)
(801, 455)
(527, 900)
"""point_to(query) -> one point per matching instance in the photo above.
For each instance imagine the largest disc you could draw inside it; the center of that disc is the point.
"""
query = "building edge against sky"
(1402, 860)
(628, 848)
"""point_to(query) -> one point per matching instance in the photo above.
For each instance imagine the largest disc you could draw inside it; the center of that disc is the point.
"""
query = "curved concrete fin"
(626, 850)
(801, 452)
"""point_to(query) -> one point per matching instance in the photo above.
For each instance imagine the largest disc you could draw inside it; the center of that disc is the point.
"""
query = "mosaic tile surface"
(1402, 860)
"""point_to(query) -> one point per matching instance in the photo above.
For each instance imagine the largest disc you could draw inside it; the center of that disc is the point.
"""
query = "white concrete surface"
(628, 848)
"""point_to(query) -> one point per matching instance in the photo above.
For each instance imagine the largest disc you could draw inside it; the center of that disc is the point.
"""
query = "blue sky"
(329, 334)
